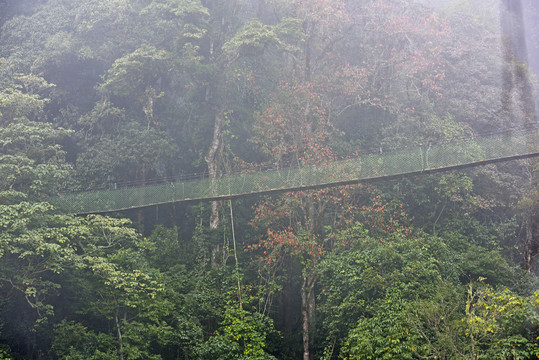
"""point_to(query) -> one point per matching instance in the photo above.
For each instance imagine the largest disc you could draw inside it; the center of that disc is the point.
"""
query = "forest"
(107, 94)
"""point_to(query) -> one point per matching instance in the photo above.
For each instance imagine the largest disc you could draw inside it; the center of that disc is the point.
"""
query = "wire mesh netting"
(362, 168)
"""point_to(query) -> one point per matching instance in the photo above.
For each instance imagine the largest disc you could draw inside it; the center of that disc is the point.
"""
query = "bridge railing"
(367, 167)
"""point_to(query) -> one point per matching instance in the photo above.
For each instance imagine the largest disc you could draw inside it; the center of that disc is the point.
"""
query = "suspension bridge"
(382, 165)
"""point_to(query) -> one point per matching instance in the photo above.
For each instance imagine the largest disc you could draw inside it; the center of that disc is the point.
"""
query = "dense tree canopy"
(113, 93)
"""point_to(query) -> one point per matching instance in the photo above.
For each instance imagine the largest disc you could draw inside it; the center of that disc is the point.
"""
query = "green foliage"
(376, 272)
(242, 335)
(75, 341)
(497, 325)
(20, 98)
(135, 71)
(290, 33)
(384, 335)
(103, 253)
(179, 8)
(435, 321)
(32, 163)
(393, 297)
(32, 240)
(251, 40)
(136, 154)
(5, 353)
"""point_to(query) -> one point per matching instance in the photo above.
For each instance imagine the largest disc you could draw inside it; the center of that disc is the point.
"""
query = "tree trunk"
(119, 337)
(212, 160)
(528, 241)
(531, 222)
(307, 310)
(142, 199)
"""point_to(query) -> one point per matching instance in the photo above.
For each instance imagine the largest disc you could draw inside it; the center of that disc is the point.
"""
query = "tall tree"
(320, 85)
